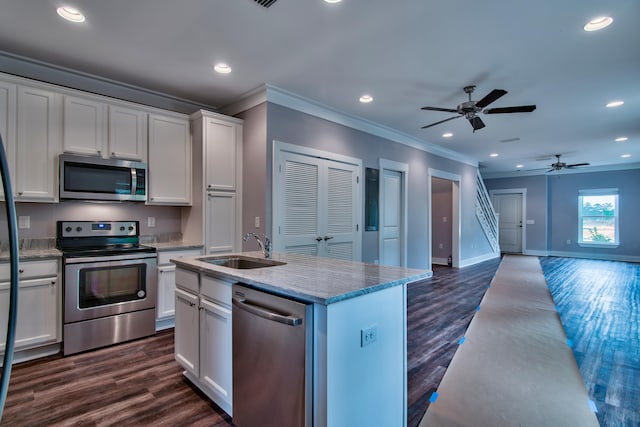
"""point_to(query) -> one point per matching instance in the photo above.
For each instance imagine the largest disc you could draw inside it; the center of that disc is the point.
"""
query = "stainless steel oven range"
(109, 284)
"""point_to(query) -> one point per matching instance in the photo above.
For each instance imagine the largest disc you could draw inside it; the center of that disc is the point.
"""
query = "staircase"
(486, 215)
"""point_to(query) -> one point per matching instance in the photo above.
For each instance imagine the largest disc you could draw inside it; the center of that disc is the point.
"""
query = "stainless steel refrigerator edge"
(272, 360)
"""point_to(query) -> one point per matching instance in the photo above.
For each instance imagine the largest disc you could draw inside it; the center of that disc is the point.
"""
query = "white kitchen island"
(359, 355)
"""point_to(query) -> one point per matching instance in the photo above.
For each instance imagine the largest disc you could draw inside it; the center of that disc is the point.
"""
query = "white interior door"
(391, 250)
(318, 207)
(509, 207)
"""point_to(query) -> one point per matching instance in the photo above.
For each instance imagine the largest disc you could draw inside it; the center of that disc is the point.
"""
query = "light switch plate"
(151, 221)
(257, 222)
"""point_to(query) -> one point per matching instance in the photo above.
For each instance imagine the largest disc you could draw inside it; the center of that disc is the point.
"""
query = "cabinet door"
(8, 126)
(169, 161)
(221, 231)
(166, 291)
(215, 350)
(83, 127)
(186, 331)
(38, 309)
(222, 141)
(38, 143)
(127, 133)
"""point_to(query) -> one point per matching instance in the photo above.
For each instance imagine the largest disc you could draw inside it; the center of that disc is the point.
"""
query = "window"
(598, 217)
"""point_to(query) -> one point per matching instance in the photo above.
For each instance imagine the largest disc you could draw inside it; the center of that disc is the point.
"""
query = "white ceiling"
(405, 53)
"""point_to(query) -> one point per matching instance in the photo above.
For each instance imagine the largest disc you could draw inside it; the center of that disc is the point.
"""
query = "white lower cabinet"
(203, 340)
(39, 304)
(165, 306)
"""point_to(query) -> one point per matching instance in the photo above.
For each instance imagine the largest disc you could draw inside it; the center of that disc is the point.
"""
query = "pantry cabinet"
(39, 304)
(216, 217)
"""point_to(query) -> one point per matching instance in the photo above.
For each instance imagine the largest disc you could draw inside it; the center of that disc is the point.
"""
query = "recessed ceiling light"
(598, 23)
(222, 68)
(447, 135)
(626, 156)
(615, 104)
(365, 99)
(70, 14)
(621, 139)
(519, 166)
(493, 155)
(332, 1)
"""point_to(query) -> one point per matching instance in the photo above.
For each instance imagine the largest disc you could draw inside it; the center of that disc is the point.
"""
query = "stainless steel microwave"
(94, 178)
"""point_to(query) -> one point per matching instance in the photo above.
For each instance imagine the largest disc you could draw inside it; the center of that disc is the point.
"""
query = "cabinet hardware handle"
(113, 153)
(21, 271)
(19, 193)
(327, 238)
(53, 282)
(319, 239)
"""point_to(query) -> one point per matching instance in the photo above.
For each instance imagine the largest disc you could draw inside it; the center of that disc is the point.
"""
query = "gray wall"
(293, 127)
(553, 199)
(43, 217)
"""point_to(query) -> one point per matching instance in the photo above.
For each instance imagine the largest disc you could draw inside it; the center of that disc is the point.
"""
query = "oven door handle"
(123, 257)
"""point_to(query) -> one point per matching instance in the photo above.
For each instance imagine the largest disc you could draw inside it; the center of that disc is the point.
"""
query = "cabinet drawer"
(187, 280)
(216, 289)
(30, 269)
(165, 257)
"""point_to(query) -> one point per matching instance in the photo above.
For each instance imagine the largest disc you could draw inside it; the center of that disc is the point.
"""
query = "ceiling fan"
(470, 109)
(558, 165)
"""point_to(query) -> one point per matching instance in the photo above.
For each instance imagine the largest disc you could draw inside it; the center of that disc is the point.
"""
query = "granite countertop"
(175, 245)
(31, 249)
(312, 279)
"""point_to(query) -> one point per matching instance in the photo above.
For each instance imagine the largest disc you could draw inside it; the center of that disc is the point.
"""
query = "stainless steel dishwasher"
(272, 351)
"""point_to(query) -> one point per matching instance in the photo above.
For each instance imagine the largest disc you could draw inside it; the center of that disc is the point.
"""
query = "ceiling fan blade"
(447, 110)
(476, 123)
(578, 164)
(441, 121)
(491, 96)
(519, 109)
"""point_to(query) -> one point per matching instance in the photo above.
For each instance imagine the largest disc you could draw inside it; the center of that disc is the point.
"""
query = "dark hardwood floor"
(139, 383)
(439, 311)
(599, 305)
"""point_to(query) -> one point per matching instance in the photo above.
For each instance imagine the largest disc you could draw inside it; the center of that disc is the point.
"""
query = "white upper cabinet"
(83, 126)
(127, 133)
(111, 131)
(38, 144)
(169, 160)
(8, 125)
(222, 143)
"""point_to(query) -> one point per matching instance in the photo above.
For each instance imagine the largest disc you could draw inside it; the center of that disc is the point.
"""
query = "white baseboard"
(166, 323)
(34, 353)
(439, 261)
(476, 260)
(535, 253)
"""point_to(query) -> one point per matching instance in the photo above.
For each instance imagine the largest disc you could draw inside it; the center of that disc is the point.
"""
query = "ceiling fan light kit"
(558, 165)
(470, 109)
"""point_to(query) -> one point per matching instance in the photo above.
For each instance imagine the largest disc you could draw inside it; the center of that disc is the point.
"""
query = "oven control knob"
(122, 228)
(68, 229)
(141, 294)
(78, 229)
(131, 228)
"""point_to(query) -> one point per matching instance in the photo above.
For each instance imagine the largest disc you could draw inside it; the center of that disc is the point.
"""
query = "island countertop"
(308, 278)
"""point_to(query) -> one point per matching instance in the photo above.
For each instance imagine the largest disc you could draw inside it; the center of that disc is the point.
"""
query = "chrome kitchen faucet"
(265, 246)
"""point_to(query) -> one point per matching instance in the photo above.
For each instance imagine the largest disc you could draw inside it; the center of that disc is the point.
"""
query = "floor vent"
(265, 3)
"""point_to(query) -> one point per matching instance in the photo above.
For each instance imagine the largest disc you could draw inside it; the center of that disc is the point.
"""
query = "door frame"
(403, 169)
(455, 214)
(279, 148)
(523, 212)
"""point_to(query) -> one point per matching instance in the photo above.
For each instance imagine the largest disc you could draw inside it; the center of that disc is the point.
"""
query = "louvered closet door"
(318, 207)
(339, 231)
(300, 207)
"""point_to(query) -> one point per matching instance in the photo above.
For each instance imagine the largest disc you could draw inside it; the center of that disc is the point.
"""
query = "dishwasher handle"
(266, 313)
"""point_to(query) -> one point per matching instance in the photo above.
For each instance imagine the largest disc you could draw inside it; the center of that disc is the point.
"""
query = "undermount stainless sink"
(240, 262)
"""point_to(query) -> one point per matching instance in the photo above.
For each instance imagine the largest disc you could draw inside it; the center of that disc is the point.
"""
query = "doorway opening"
(443, 218)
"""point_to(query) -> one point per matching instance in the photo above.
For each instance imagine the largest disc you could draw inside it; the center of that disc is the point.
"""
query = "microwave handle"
(134, 180)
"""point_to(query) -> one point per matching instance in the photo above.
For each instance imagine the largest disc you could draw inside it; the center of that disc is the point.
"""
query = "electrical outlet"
(444, 219)
(368, 335)
(440, 246)
(256, 222)
(151, 221)
(24, 221)
(568, 242)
